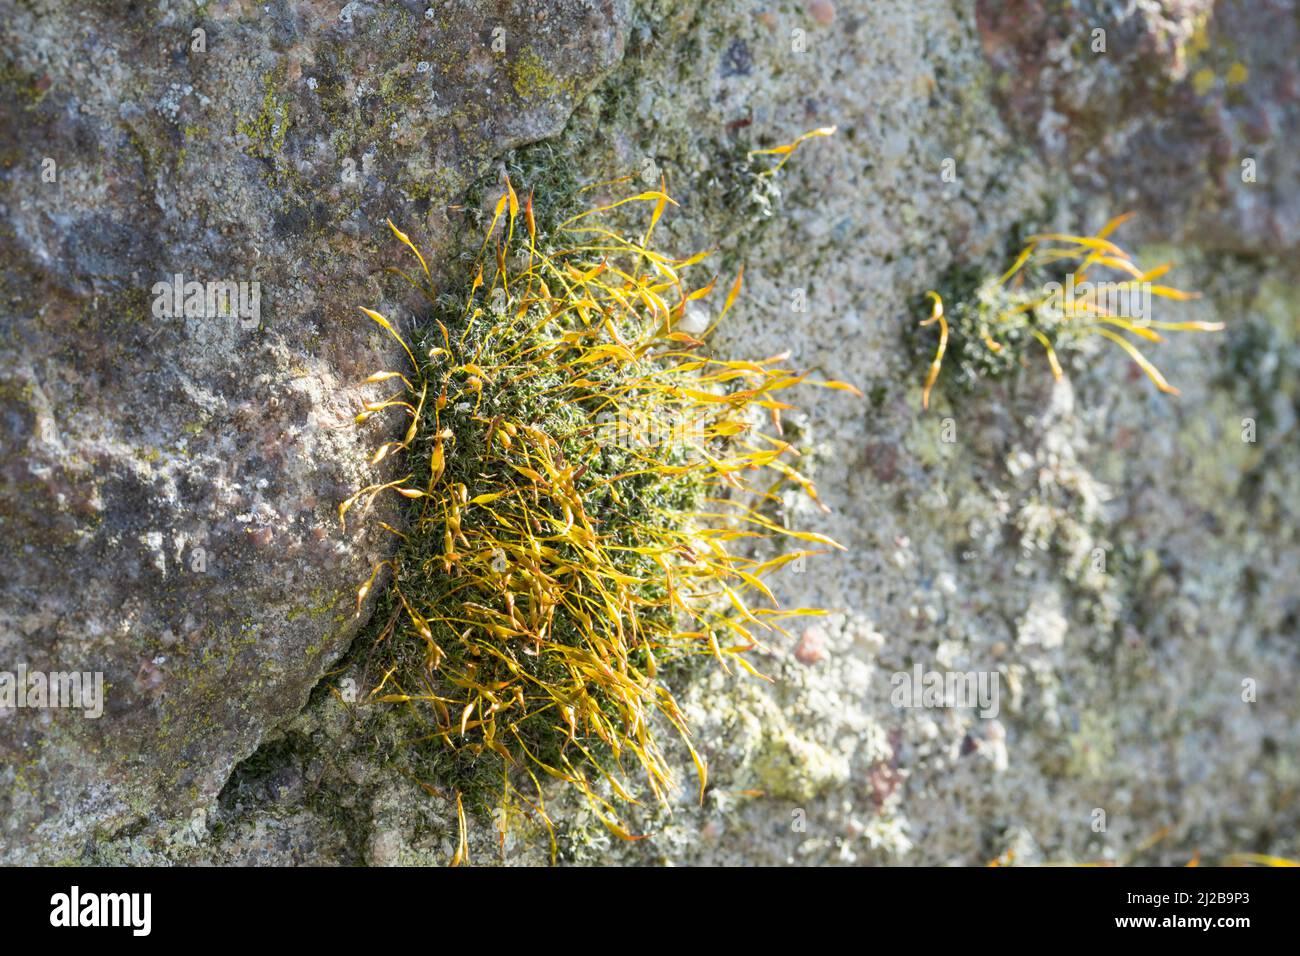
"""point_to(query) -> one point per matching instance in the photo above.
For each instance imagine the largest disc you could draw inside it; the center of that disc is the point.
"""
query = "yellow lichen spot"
(530, 76)
(1200, 40)
(1203, 80)
(1237, 74)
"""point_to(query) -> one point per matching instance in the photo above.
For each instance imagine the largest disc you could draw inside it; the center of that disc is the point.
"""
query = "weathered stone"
(1185, 112)
(170, 484)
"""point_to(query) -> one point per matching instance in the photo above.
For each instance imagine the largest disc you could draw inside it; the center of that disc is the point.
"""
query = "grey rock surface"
(170, 484)
(1123, 560)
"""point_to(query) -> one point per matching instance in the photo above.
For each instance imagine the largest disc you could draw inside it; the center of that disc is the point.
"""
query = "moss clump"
(1047, 300)
(580, 473)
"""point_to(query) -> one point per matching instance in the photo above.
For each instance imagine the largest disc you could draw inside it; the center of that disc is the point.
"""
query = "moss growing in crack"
(1046, 300)
(583, 478)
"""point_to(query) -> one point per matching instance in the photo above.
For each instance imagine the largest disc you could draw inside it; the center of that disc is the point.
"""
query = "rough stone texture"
(169, 485)
(1163, 107)
(1122, 559)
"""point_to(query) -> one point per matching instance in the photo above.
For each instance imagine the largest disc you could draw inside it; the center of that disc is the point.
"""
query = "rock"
(1183, 112)
(171, 482)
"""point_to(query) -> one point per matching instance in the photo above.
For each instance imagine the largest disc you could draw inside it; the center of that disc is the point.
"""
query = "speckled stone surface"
(169, 485)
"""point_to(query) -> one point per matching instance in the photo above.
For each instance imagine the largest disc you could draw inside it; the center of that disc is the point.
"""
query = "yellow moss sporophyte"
(594, 499)
(1046, 295)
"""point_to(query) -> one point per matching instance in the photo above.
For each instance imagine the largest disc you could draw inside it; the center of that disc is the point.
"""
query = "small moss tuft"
(1046, 300)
